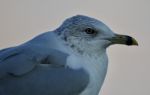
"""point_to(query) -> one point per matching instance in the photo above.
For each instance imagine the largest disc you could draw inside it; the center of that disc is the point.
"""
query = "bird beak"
(123, 39)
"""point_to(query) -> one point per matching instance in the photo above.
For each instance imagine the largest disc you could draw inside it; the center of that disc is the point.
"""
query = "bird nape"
(70, 60)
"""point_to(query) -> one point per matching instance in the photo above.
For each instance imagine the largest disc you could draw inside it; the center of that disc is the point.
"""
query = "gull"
(71, 60)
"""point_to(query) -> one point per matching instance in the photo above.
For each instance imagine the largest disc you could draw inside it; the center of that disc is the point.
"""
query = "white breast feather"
(95, 65)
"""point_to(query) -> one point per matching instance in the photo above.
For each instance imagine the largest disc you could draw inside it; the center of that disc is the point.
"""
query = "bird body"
(70, 60)
(30, 72)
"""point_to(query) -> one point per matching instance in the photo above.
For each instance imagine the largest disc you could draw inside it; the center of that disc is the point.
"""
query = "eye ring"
(89, 31)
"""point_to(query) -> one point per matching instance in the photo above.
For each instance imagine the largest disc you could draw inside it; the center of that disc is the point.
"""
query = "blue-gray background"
(129, 67)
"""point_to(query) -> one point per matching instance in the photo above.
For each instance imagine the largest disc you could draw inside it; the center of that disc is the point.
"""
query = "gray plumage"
(70, 60)
(24, 70)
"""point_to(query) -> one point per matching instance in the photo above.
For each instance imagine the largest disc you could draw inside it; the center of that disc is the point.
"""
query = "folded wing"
(28, 70)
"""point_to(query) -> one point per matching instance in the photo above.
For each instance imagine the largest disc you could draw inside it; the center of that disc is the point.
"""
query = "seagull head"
(86, 34)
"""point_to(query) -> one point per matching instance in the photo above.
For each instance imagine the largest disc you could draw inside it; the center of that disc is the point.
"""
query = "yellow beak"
(123, 39)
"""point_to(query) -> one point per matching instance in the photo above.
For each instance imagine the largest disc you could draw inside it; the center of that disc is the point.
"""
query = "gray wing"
(23, 72)
(22, 59)
(15, 61)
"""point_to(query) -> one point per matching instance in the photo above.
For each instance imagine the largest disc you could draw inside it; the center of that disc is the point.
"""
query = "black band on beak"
(129, 40)
(123, 39)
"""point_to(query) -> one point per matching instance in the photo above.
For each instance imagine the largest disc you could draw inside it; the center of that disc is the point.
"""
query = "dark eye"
(89, 31)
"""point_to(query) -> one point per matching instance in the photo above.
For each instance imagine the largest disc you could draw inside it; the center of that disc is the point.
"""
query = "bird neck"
(95, 65)
(97, 68)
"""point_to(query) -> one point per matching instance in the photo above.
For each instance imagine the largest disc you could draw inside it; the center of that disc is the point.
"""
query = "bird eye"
(89, 31)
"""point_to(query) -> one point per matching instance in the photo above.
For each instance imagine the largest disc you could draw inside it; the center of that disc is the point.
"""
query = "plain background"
(129, 67)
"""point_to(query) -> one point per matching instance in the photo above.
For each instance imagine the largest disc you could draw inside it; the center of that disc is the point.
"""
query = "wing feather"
(28, 63)
(20, 60)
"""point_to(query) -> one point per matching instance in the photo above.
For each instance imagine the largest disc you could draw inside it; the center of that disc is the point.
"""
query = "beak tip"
(131, 41)
(134, 42)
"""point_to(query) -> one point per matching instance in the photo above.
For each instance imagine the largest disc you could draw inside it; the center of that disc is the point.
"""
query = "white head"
(85, 34)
